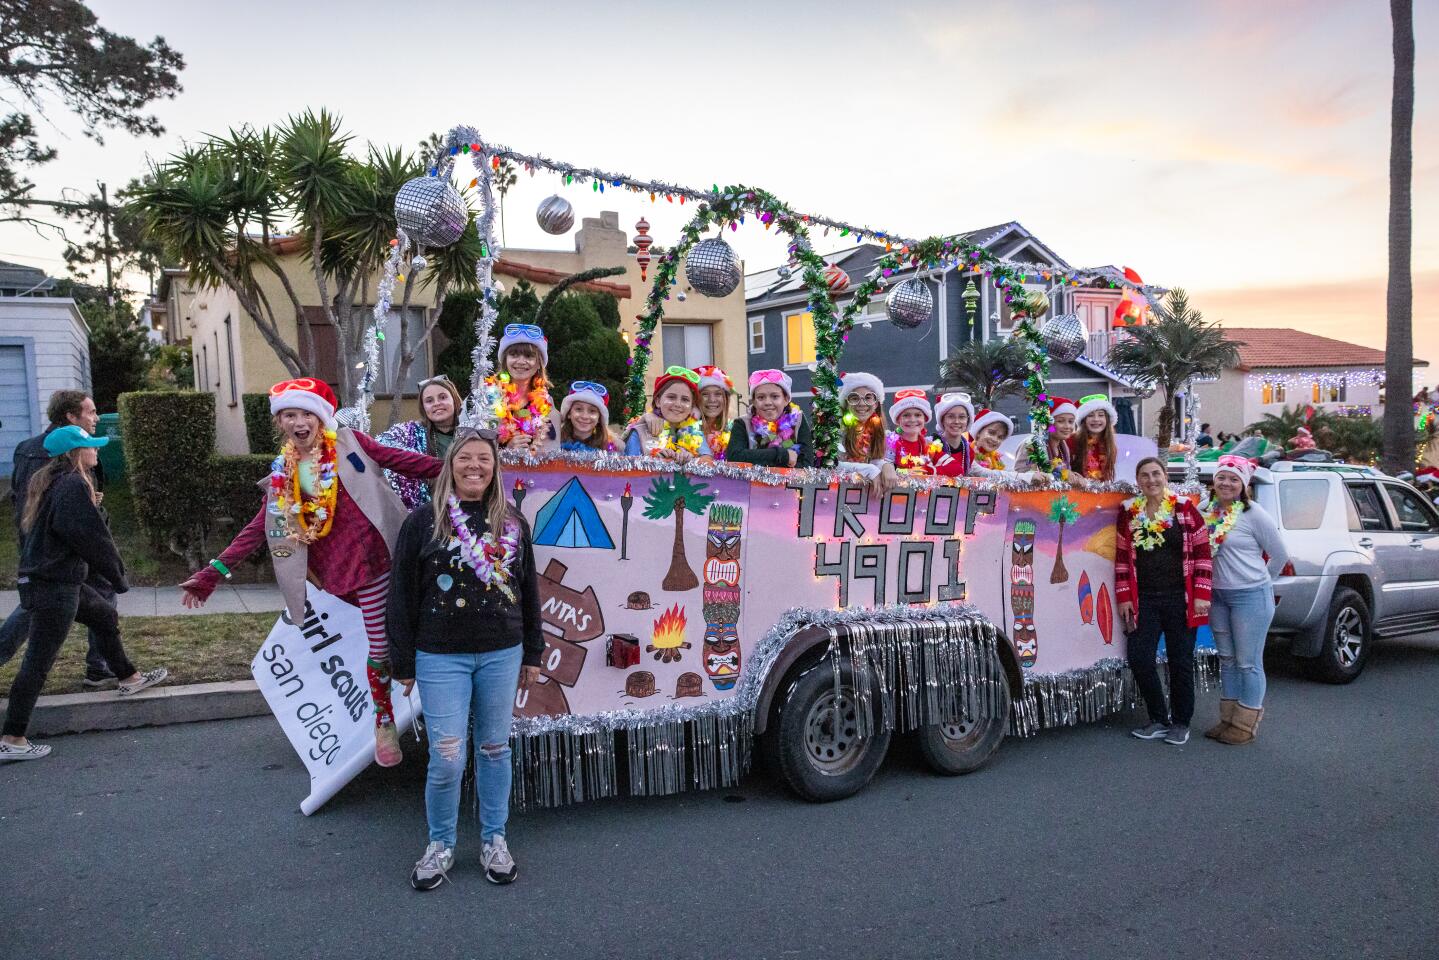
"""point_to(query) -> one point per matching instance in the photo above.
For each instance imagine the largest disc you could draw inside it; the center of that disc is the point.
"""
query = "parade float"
(696, 615)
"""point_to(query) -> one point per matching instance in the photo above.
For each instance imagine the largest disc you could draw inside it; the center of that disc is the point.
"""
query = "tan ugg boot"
(1244, 726)
(1226, 717)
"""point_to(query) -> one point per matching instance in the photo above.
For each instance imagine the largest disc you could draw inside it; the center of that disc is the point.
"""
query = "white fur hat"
(1239, 466)
(949, 401)
(910, 400)
(851, 382)
(987, 418)
(1094, 403)
(516, 333)
(584, 391)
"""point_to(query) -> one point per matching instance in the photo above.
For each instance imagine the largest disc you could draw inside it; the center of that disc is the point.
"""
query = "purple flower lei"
(490, 561)
(766, 432)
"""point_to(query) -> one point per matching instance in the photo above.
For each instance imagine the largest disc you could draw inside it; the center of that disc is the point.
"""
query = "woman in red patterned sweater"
(1162, 567)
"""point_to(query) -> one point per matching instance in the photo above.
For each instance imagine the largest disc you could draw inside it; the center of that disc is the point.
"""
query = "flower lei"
(298, 512)
(491, 561)
(989, 459)
(511, 416)
(1149, 531)
(1220, 523)
(687, 436)
(1094, 463)
(718, 441)
(782, 431)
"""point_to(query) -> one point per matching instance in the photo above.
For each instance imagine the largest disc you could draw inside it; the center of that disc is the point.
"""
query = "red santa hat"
(305, 393)
(987, 418)
(1058, 405)
(949, 401)
(910, 400)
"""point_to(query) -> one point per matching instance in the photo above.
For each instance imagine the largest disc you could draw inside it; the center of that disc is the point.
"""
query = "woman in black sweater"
(464, 620)
(65, 539)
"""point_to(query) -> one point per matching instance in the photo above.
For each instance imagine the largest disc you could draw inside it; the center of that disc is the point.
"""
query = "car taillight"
(1288, 570)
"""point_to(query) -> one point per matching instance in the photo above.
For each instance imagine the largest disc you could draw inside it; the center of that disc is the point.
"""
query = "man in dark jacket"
(66, 408)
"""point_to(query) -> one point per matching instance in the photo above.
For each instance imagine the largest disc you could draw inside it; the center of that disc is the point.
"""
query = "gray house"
(781, 334)
(44, 347)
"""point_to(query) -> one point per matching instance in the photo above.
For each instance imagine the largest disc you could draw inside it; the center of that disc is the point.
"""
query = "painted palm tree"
(1175, 347)
(1399, 340)
(674, 496)
(985, 369)
(1062, 511)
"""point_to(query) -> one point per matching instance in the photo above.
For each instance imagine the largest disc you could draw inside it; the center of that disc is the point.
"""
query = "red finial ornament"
(642, 247)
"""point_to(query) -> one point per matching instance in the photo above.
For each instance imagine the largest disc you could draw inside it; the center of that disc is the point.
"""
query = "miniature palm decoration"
(674, 497)
(1062, 511)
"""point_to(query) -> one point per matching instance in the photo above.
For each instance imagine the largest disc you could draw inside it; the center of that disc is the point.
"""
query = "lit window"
(1268, 393)
(799, 339)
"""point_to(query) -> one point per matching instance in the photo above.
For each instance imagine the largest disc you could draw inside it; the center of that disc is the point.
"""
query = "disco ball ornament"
(681, 296)
(431, 211)
(555, 215)
(784, 273)
(418, 263)
(713, 268)
(1063, 337)
(909, 304)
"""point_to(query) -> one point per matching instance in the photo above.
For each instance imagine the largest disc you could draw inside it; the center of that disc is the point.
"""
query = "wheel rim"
(961, 734)
(1349, 637)
(831, 733)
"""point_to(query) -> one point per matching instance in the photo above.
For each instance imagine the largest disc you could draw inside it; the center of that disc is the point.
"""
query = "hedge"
(259, 425)
(234, 489)
(169, 442)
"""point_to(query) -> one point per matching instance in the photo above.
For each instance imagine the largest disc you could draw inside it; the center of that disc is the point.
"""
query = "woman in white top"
(1248, 553)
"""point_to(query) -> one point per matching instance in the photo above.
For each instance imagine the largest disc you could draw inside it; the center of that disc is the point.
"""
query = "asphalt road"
(1320, 840)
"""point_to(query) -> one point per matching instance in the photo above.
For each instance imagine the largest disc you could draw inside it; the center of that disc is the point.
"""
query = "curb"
(187, 703)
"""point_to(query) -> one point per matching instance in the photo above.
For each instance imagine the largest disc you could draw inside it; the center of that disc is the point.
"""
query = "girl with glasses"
(673, 432)
(776, 433)
(519, 394)
(431, 434)
(584, 419)
(865, 451)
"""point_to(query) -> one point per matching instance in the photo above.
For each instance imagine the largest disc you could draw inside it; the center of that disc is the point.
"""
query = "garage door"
(15, 404)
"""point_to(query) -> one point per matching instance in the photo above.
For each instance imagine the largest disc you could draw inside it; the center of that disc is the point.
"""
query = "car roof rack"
(1350, 469)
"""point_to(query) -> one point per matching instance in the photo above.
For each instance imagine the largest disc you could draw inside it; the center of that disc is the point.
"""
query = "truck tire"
(951, 749)
(814, 741)
(1348, 636)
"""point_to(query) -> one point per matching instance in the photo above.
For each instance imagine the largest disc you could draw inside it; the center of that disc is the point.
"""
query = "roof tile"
(1287, 347)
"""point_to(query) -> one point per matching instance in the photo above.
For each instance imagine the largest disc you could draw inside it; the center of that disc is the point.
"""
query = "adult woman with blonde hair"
(464, 623)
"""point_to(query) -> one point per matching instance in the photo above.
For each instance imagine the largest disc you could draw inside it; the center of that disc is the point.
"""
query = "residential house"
(44, 347)
(1282, 367)
(781, 332)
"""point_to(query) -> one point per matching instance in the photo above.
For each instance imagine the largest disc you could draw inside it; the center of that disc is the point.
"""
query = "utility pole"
(105, 221)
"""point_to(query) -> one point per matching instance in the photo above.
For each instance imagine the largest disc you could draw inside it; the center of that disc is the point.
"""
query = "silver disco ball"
(431, 211)
(713, 268)
(909, 304)
(555, 215)
(1064, 337)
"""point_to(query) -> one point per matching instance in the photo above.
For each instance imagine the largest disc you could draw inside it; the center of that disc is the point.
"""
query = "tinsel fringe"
(1093, 693)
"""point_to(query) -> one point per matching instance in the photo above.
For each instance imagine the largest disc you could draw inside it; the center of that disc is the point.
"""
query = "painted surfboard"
(1086, 599)
(1106, 614)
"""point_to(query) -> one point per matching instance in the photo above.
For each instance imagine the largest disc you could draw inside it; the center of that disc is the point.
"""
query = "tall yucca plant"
(1172, 349)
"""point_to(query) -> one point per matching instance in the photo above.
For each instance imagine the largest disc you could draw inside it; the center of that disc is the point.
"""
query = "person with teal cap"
(65, 538)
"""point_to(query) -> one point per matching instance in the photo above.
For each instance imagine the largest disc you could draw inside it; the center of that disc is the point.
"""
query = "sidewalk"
(165, 601)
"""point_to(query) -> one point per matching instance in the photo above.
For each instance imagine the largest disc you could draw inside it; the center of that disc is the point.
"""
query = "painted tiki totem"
(1021, 592)
(722, 595)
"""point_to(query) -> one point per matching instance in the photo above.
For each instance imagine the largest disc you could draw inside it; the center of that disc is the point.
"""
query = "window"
(390, 351)
(1273, 392)
(1330, 393)
(756, 334)
(1372, 515)
(230, 351)
(1301, 503)
(799, 339)
(688, 344)
(1415, 515)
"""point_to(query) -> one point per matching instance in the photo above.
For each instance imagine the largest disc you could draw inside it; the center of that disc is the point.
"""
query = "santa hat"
(585, 391)
(951, 400)
(712, 376)
(777, 377)
(1058, 405)
(305, 393)
(1304, 432)
(910, 400)
(1094, 403)
(1238, 466)
(528, 333)
(986, 418)
(851, 382)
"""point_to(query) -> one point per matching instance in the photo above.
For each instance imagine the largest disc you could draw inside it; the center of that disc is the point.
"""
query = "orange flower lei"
(298, 513)
(511, 416)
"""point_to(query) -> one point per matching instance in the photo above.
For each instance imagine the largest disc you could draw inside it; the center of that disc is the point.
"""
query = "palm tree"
(505, 177)
(1175, 347)
(1279, 428)
(985, 369)
(1062, 511)
(672, 497)
(1399, 341)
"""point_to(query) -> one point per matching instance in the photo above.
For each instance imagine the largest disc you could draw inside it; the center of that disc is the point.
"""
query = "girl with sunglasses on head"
(1092, 449)
(328, 516)
(431, 434)
(716, 389)
(519, 394)
(672, 430)
(584, 419)
(776, 433)
(464, 615)
(865, 452)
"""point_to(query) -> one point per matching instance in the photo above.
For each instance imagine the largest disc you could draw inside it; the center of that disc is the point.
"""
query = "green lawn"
(197, 649)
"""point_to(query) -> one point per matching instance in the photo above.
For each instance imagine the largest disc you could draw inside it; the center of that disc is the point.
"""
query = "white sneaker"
(499, 865)
(433, 868)
(147, 679)
(31, 751)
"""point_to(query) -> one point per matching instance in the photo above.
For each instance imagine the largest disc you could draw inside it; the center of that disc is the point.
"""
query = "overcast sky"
(1239, 149)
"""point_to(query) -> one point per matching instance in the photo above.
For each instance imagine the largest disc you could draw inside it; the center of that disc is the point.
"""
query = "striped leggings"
(371, 600)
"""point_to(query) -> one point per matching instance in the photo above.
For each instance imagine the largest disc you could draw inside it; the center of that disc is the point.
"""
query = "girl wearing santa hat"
(519, 395)
(328, 515)
(1092, 450)
(865, 452)
(990, 429)
(910, 448)
(776, 433)
(716, 389)
(584, 419)
(1062, 411)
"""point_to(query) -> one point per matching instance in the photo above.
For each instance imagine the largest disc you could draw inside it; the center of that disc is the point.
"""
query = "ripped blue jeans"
(449, 684)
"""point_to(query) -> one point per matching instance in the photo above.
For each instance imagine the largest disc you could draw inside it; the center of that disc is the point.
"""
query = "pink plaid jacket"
(1198, 561)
